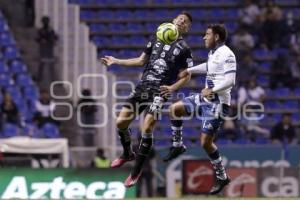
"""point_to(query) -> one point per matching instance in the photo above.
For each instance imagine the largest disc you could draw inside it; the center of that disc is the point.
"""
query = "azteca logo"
(200, 171)
(239, 181)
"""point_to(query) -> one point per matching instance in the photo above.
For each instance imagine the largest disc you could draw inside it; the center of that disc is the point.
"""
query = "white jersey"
(220, 62)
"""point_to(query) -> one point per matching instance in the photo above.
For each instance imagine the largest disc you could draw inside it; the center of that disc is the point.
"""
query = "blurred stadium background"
(50, 146)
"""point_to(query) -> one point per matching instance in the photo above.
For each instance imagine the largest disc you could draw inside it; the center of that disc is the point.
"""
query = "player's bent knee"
(206, 142)
(121, 123)
(147, 129)
(177, 110)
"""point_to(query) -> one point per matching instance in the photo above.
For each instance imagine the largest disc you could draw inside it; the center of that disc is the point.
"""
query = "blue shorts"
(210, 113)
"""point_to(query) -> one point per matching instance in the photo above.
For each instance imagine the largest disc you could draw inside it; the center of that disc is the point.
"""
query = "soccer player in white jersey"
(212, 105)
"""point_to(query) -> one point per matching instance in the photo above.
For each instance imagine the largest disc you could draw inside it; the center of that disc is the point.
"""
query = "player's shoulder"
(181, 43)
(226, 52)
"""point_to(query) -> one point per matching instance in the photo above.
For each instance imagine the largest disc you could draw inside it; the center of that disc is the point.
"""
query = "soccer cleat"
(219, 185)
(174, 153)
(122, 160)
(131, 180)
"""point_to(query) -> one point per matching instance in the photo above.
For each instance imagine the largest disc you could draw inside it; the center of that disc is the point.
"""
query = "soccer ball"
(167, 33)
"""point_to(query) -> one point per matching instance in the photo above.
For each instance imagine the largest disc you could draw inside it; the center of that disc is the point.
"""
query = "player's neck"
(213, 49)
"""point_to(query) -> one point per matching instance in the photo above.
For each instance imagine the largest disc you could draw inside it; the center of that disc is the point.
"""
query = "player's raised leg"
(124, 119)
(143, 151)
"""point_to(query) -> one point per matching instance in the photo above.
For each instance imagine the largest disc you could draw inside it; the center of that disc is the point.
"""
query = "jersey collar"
(216, 47)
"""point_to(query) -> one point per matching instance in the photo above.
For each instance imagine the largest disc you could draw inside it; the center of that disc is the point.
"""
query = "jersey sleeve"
(186, 60)
(148, 48)
(230, 64)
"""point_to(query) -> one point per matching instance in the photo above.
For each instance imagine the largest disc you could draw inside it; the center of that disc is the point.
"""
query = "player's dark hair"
(220, 30)
(187, 14)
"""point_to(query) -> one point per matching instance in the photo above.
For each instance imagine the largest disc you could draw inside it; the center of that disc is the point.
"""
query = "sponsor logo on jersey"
(176, 51)
(149, 44)
(167, 47)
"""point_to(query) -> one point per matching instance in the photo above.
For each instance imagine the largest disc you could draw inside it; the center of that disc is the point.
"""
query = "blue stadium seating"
(3, 68)
(203, 16)
(223, 142)
(17, 67)
(14, 91)
(10, 130)
(31, 130)
(105, 14)
(31, 93)
(98, 27)
(6, 39)
(50, 130)
(5, 80)
(10, 53)
(24, 80)
(3, 26)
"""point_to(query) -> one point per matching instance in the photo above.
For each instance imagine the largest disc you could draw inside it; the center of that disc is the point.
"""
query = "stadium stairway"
(25, 37)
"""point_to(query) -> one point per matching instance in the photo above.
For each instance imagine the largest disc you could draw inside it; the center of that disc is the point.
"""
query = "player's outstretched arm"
(139, 61)
(200, 69)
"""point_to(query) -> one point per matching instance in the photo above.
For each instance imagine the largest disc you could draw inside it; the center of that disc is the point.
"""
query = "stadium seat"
(119, 40)
(10, 53)
(10, 130)
(142, 14)
(138, 40)
(5, 80)
(17, 67)
(123, 14)
(140, 2)
(263, 80)
(50, 130)
(232, 13)
(135, 27)
(223, 142)
(159, 2)
(196, 39)
(105, 14)
(24, 80)
(262, 141)
(199, 14)
(296, 92)
(31, 93)
(282, 91)
(162, 142)
(6, 39)
(14, 91)
(276, 118)
(217, 14)
(87, 15)
(161, 13)
(101, 41)
(31, 130)
(116, 27)
(265, 66)
(231, 26)
(272, 104)
(242, 141)
(3, 26)
(290, 104)
(3, 67)
(151, 26)
(296, 117)
(98, 28)
(202, 54)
